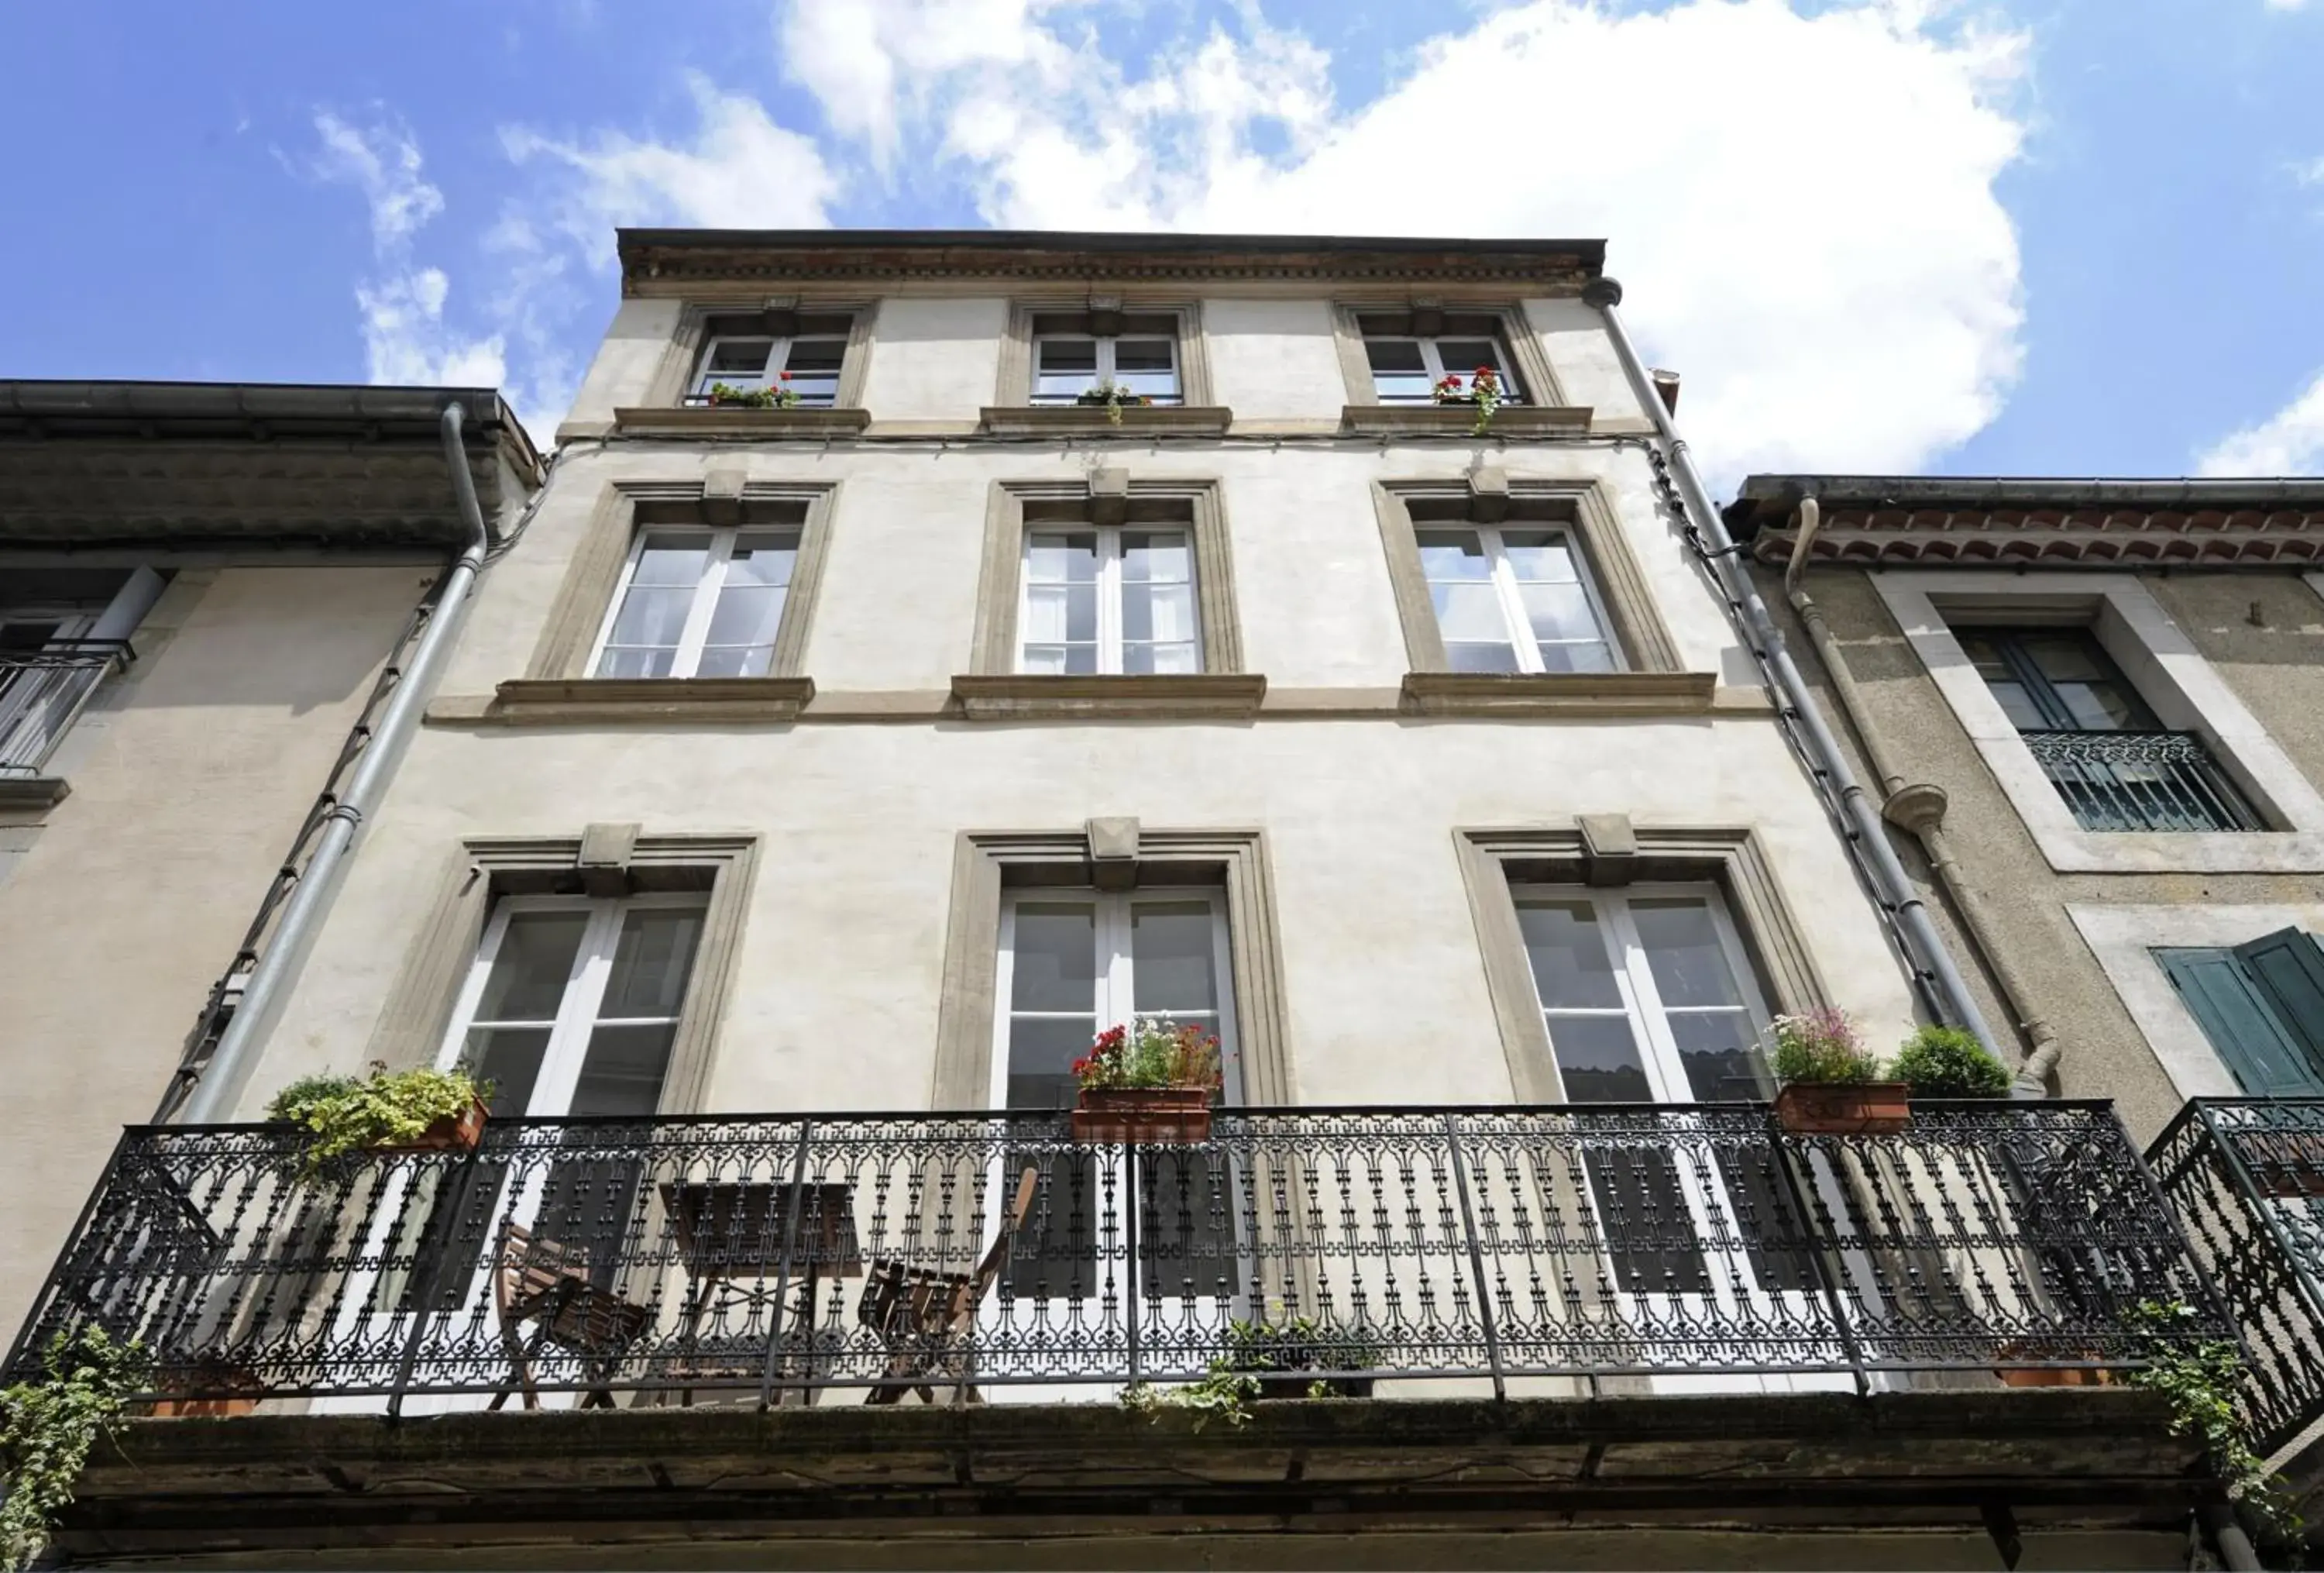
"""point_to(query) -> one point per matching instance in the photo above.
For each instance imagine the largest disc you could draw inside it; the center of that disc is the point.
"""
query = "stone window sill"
(1206, 696)
(1457, 420)
(555, 701)
(1095, 420)
(1520, 694)
(32, 791)
(710, 421)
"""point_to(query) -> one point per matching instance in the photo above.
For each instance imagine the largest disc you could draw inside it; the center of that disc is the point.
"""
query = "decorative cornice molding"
(2095, 537)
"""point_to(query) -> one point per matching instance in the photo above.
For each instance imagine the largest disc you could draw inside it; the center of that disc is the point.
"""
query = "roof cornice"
(673, 262)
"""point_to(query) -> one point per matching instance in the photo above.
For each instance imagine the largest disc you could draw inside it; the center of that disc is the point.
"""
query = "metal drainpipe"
(1937, 976)
(219, 1089)
(1920, 809)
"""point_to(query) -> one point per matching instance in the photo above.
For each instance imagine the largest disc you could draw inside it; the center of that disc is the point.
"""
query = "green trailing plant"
(1822, 1045)
(1113, 396)
(1950, 1062)
(1301, 1345)
(1483, 390)
(1152, 1052)
(1225, 1394)
(48, 1427)
(346, 1114)
(2201, 1378)
(727, 396)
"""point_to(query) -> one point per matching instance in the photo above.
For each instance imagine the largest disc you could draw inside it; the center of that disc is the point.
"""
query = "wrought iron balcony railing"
(42, 692)
(2247, 1178)
(774, 1258)
(2141, 780)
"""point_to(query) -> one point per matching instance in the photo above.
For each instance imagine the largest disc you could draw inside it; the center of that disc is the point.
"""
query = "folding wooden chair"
(924, 1316)
(547, 1284)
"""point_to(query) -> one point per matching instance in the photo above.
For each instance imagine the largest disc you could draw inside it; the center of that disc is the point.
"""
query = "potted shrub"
(1289, 1359)
(1151, 1081)
(422, 1110)
(1832, 1083)
(1950, 1062)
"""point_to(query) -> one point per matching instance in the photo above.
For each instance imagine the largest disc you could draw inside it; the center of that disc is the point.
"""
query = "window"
(61, 630)
(1513, 599)
(1113, 599)
(699, 602)
(1406, 364)
(775, 350)
(2262, 1007)
(1072, 360)
(2100, 744)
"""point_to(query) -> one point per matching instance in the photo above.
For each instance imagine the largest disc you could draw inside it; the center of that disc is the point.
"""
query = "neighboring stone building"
(935, 650)
(200, 587)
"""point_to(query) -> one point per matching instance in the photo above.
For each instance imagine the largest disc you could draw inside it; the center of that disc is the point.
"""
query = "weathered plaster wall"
(2274, 668)
(189, 779)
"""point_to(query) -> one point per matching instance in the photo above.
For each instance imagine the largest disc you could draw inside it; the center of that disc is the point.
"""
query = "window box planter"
(236, 1389)
(1142, 1114)
(2053, 1377)
(458, 1132)
(1844, 1109)
(2283, 1164)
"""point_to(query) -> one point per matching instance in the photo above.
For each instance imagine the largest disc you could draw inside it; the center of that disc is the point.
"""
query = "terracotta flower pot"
(1844, 1109)
(458, 1132)
(240, 1385)
(2053, 1377)
(1143, 1113)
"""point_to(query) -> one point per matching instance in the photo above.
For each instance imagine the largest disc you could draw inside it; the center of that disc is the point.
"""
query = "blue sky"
(2063, 236)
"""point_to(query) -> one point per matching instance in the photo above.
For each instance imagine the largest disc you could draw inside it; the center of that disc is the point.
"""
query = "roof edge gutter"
(1937, 979)
(219, 1084)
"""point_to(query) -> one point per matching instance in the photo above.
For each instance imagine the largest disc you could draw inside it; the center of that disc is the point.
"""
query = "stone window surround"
(557, 684)
(1608, 850)
(675, 372)
(606, 859)
(2172, 676)
(1014, 387)
(1542, 389)
(2123, 938)
(992, 688)
(1107, 854)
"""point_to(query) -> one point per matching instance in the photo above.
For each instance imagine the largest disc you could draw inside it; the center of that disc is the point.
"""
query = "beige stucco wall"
(2272, 666)
(836, 995)
(189, 776)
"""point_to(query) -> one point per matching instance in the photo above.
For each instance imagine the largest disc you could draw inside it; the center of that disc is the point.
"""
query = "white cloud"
(2288, 443)
(2285, 5)
(1802, 209)
(406, 338)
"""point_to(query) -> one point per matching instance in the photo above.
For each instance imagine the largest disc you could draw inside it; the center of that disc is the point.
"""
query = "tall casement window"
(696, 601)
(1073, 964)
(61, 631)
(800, 352)
(1410, 352)
(1079, 353)
(1511, 598)
(1109, 599)
(2261, 1006)
(2111, 760)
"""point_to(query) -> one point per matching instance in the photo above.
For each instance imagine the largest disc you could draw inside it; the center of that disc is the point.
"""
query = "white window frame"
(778, 356)
(1641, 1004)
(2186, 693)
(1105, 367)
(687, 657)
(1515, 620)
(1109, 588)
(1513, 391)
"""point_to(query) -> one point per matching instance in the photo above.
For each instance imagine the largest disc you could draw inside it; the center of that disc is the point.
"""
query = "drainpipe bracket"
(1918, 807)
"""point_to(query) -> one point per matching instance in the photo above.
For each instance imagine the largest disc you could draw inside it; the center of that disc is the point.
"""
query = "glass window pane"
(1158, 612)
(652, 962)
(1060, 355)
(1060, 614)
(762, 557)
(1469, 610)
(746, 614)
(621, 1072)
(1141, 355)
(2097, 698)
(531, 966)
(636, 663)
(1157, 557)
(1719, 1051)
(1041, 1054)
(1684, 952)
(729, 355)
(1161, 660)
(1061, 558)
(735, 660)
(1598, 1059)
(509, 1057)
(1572, 967)
(651, 616)
(1480, 657)
(1056, 959)
(1579, 656)
(1558, 612)
(815, 355)
(1453, 554)
(672, 560)
(1170, 951)
(1395, 356)
(1462, 357)
(1544, 555)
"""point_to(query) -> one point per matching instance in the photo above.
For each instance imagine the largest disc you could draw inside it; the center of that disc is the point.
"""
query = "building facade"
(202, 590)
(934, 651)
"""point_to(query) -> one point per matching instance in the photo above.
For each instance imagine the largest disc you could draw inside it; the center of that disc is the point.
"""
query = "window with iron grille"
(2116, 765)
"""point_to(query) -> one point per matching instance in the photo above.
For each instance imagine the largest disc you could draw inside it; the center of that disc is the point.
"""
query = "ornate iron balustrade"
(774, 1257)
(42, 692)
(2247, 1178)
(2141, 780)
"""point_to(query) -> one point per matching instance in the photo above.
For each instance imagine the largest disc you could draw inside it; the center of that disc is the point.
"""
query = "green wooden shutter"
(2288, 965)
(2242, 1026)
